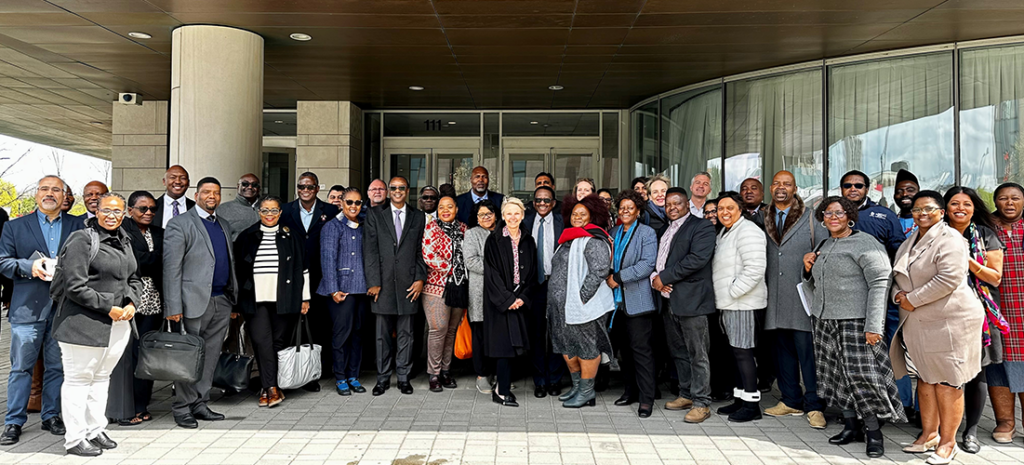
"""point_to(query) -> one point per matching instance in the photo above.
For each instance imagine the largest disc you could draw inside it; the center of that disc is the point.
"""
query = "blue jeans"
(26, 341)
(892, 321)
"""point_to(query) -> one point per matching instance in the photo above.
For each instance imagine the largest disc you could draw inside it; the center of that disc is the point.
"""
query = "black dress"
(506, 331)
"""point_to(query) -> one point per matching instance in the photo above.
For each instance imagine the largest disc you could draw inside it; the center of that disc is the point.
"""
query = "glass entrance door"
(431, 162)
(567, 158)
(454, 168)
(412, 164)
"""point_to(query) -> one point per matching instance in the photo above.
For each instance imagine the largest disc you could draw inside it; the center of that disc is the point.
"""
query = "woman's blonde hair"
(512, 202)
(593, 185)
(656, 178)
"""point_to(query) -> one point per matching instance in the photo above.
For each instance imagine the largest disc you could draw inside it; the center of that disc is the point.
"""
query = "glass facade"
(949, 114)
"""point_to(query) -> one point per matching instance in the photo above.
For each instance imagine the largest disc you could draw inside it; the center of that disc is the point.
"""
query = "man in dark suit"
(394, 268)
(480, 180)
(683, 278)
(545, 179)
(28, 246)
(173, 202)
(545, 225)
(199, 285)
(309, 214)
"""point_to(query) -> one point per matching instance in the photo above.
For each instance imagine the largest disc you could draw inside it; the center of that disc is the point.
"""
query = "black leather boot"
(852, 431)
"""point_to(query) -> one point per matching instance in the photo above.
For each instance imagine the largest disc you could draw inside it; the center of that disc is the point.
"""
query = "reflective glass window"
(644, 140)
(691, 136)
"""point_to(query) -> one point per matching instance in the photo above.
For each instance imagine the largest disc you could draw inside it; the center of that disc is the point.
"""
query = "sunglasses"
(398, 188)
(428, 197)
(307, 187)
(854, 184)
(543, 200)
(144, 210)
(351, 202)
(249, 184)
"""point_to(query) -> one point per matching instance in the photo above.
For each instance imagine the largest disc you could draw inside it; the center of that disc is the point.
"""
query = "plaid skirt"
(853, 375)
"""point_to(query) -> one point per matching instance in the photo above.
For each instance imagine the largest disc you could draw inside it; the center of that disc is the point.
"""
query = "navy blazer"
(322, 213)
(21, 238)
(688, 268)
(465, 204)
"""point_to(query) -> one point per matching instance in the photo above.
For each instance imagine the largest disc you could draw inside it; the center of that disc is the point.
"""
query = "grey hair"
(115, 195)
(54, 176)
(702, 173)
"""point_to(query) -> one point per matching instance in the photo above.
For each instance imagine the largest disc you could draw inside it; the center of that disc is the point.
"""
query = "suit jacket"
(291, 268)
(322, 213)
(189, 264)
(465, 204)
(942, 333)
(634, 276)
(787, 245)
(559, 226)
(688, 268)
(158, 214)
(392, 264)
(20, 239)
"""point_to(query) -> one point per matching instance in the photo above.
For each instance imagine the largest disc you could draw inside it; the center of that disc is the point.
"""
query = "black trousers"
(482, 366)
(142, 389)
(764, 352)
(547, 366)
(633, 336)
(269, 332)
(402, 326)
(724, 376)
(321, 326)
(347, 318)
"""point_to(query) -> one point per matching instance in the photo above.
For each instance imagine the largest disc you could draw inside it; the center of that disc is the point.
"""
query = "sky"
(24, 163)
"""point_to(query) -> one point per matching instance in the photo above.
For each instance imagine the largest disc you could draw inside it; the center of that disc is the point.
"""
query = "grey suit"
(393, 265)
(189, 262)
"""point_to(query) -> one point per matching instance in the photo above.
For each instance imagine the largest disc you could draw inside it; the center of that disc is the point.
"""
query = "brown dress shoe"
(681, 403)
(264, 399)
(697, 415)
(275, 395)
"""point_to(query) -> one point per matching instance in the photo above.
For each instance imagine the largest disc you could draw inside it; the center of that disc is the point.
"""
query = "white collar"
(168, 201)
(404, 208)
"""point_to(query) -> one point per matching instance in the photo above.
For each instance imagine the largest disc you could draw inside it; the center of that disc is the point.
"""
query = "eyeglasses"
(857, 185)
(713, 211)
(270, 211)
(398, 188)
(429, 198)
(351, 202)
(255, 185)
(114, 213)
(543, 200)
(144, 210)
(307, 187)
(485, 216)
(833, 214)
(925, 210)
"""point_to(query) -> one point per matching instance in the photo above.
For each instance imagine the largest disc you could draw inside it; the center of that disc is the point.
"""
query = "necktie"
(540, 252)
(778, 223)
(175, 212)
(398, 225)
(211, 218)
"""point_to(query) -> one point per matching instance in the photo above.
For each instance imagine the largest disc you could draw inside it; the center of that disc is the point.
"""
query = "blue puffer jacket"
(883, 224)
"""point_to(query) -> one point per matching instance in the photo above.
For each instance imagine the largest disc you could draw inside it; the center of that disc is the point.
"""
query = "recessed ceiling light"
(451, 123)
(139, 35)
(278, 122)
(415, 87)
(300, 36)
(534, 122)
(555, 87)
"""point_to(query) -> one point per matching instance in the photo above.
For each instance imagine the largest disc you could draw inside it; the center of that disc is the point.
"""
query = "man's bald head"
(176, 181)
(249, 187)
(91, 195)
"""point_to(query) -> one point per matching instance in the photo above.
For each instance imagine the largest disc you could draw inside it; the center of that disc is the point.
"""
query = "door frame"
(430, 147)
(550, 147)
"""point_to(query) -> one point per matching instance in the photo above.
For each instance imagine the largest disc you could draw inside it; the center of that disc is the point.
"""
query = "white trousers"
(86, 381)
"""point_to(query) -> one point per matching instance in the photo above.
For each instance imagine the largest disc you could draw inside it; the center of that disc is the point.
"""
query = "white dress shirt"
(549, 239)
(169, 208)
(697, 211)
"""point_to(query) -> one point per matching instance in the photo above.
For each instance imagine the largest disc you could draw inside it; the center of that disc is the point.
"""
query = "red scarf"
(588, 230)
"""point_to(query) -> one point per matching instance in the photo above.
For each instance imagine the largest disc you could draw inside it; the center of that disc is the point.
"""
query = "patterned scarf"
(457, 272)
(977, 247)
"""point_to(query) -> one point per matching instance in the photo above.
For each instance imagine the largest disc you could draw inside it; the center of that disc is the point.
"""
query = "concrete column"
(329, 142)
(139, 147)
(216, 103)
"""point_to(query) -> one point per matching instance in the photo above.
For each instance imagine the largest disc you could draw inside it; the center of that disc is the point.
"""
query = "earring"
(823, 225)
(850, 223)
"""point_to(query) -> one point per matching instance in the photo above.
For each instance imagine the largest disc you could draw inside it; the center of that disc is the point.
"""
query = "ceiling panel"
(63, 61)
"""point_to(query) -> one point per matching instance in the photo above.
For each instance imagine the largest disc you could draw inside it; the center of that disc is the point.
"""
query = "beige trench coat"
(943, 333)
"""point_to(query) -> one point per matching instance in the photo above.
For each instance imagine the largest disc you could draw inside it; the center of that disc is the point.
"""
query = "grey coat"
(238, 214)
(392, 264)
(786, 264)
(473, 253)
(189, 264)
(850, 280)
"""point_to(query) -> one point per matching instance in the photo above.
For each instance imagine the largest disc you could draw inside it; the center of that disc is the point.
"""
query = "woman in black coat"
(273, 283)
(128, 403)
(93, 322)
(509, 270)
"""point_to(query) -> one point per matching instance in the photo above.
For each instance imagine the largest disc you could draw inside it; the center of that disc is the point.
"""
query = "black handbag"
(170, 356)
(234, 369)
(456, 295)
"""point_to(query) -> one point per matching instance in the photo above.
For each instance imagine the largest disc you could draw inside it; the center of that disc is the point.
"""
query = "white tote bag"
(298, 365)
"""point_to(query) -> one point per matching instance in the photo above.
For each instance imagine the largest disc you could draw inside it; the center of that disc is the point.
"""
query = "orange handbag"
(464, 339)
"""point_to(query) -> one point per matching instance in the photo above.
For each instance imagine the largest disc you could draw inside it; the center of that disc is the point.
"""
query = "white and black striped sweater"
(265, 268)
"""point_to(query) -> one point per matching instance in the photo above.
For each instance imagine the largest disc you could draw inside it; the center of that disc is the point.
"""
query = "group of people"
(836, 303)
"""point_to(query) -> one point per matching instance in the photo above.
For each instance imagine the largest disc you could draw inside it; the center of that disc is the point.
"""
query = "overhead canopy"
(63, 61)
